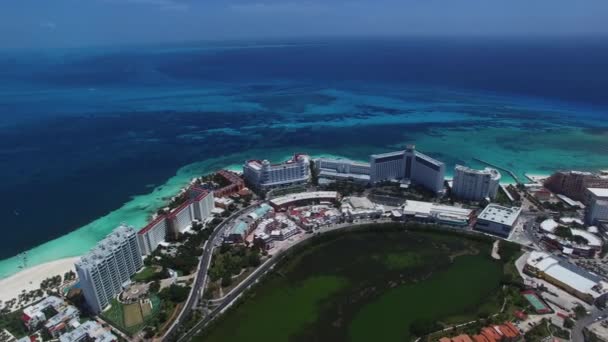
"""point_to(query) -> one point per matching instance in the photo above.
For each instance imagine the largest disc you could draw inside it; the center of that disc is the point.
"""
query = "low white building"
(343, 169)
(497, 220)
(361, 207)
(303, 197)
(571, 278)
(89, 331)
(443, 214)
(34, 315)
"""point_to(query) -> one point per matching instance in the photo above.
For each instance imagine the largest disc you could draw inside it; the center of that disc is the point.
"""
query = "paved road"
(579, 325)
(230, 298)
(201, 276)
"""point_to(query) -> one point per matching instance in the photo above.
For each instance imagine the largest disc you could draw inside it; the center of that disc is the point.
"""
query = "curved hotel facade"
(475, 185)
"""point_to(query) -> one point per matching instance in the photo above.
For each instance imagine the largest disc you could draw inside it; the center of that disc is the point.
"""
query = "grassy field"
(146, 274)
(366, 286)
(128, 318)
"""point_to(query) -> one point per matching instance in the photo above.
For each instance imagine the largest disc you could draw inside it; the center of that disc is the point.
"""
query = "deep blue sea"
(84, 130)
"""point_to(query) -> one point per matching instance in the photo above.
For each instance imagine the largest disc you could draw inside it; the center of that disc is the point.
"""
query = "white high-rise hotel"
(108, 266)
(262, 175)
(475, 185)
(408, 165)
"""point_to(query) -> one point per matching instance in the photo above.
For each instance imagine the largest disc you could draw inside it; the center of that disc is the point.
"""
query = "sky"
(79, 23)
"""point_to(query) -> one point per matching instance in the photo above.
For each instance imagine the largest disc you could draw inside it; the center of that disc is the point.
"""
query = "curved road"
(201, 276)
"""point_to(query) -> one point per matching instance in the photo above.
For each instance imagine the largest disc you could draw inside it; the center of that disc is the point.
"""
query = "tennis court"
(537, 303)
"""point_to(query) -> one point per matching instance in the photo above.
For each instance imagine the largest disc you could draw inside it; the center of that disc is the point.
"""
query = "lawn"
(127, 318)
(145, 275)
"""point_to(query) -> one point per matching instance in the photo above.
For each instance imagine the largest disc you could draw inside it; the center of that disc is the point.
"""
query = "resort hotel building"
(108, 266)
(497, 220)
(597, 205)
(569, 277)
(198, 207)
(408, 165)
(475, 185)
(262, 176)
(152, 235)
(342, 169)
(574, 184)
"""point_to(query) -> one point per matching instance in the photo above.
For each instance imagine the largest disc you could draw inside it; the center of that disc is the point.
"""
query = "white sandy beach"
(31, 278)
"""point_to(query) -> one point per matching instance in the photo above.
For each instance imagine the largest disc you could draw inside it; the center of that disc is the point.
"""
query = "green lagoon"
(365, 286)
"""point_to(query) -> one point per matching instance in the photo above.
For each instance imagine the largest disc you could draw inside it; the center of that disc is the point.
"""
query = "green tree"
(226, 280)
(155, 286)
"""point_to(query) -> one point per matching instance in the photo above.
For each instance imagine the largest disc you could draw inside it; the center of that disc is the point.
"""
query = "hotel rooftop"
(499, 214)
(106, 247)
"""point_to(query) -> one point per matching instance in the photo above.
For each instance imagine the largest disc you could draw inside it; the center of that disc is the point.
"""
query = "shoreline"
(135, 212)
(29, 279)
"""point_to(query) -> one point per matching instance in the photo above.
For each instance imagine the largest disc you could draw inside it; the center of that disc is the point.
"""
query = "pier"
(511, 173)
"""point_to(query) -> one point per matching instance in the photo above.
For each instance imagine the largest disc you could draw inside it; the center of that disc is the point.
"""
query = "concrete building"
(597, 331)
(263, 176)
(108, 266)
(37, 315)
(408, 165)
(497, 220)
(180, 219)
(360, 207)
(235, 185)
(597, 205)
(569, 277)
(152, 235)
(343, 169)
(574, 183)
(89, 331)
(302, 198)
(202, 203)
(431, 212)
(475, 185)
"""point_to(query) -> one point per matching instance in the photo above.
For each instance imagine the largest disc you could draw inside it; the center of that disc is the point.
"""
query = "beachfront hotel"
(152, 235)
(343, 169)
(108, 266)
(497, 220)
(475, 185)
(263, 176)
(202, 203)
(408, 165)
(597, 205)
(574, 184)
(199, 207)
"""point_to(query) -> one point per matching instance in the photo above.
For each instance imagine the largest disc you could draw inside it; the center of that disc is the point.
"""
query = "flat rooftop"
(599, 192)
(499, 214)
(388, 154)
(342, 160)
(567, 273)
(279, 201)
